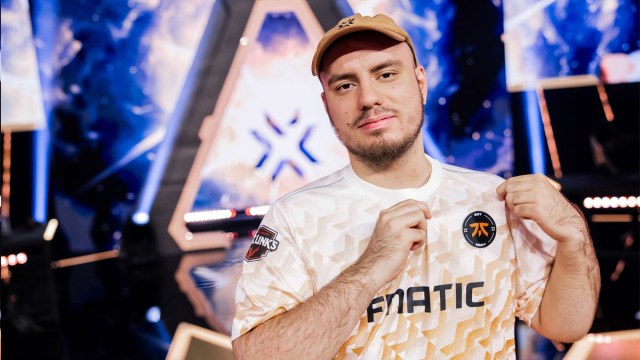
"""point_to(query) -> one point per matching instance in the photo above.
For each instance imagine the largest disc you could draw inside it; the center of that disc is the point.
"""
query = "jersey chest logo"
(479, 229)
(264, 242)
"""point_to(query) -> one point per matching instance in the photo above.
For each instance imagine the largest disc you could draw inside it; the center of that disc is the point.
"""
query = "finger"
(411, 204)
(523, 197)
(524, 178)
(516, 184)
(416, 237)
(524, 182)
(524, 211)
(411, 219)
(404, 209)
(501, 190)
(422, 225)
(424, 208)
(556, 185)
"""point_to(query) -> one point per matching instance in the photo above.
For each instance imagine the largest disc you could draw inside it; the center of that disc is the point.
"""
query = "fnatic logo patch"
(345, 23)
(479, 229)
(263, 243)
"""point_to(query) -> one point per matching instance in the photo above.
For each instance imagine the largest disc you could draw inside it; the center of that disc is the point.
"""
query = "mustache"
(369, 113)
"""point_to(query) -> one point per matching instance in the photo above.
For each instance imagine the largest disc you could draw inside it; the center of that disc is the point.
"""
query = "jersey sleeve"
(535, 252)
(274, 278)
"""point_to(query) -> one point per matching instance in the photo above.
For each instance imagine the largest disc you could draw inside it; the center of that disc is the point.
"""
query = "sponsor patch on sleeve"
(263, 243)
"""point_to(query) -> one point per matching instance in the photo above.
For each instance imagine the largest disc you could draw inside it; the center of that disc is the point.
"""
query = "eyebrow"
(339, 77)
(350, 75)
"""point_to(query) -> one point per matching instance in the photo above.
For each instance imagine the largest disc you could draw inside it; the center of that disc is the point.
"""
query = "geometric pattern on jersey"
(453, 300)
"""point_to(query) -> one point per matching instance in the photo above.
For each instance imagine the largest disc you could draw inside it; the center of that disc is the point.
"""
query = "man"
(399, 255)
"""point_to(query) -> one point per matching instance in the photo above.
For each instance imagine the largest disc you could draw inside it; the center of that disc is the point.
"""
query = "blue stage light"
(534, 133)
(153, 314)
(140, 218)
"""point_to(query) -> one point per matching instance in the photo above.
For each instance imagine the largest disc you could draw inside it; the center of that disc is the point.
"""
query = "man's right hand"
(399, 229)
(337, 307)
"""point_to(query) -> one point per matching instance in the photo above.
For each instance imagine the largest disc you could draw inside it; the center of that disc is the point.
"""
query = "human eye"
(387, 75)
(344, 87)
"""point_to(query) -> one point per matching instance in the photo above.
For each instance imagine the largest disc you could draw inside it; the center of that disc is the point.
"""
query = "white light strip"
(613, 202)
(22, 258)
(209, 215)
(14, 259)
(257, 210)
(598, 338)
(50, 230)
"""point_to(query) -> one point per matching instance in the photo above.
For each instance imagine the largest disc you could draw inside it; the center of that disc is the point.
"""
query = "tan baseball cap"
(380, 23)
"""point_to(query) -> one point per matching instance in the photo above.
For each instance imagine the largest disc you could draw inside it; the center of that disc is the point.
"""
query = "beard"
(384, 153)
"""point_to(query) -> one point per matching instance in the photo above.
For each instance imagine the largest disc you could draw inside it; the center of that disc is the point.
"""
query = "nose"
(368, 96)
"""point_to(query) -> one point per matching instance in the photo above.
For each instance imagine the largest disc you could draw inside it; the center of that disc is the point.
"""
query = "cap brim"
(331, 39)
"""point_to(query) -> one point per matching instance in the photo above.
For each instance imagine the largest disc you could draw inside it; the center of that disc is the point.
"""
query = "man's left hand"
(534, 197)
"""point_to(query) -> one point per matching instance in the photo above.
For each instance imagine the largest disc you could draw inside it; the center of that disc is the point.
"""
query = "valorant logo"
(263, 243)
(279, 144)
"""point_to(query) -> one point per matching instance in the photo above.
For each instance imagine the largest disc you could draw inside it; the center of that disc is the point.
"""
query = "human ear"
(324, 101)
(421, 76)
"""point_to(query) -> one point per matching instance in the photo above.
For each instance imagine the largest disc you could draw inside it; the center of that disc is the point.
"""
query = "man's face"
(374, 95)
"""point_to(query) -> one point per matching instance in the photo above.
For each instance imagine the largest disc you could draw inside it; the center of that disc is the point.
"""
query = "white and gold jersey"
(459, 293)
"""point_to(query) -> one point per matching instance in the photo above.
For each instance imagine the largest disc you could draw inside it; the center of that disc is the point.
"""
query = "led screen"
(22, 106)
(269, 133)
(549, 39)
(112, 73)
(273, 135)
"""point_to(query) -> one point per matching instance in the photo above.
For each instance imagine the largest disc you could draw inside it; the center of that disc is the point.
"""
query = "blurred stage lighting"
(140, 218)
(153, 314)
(613, 202)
